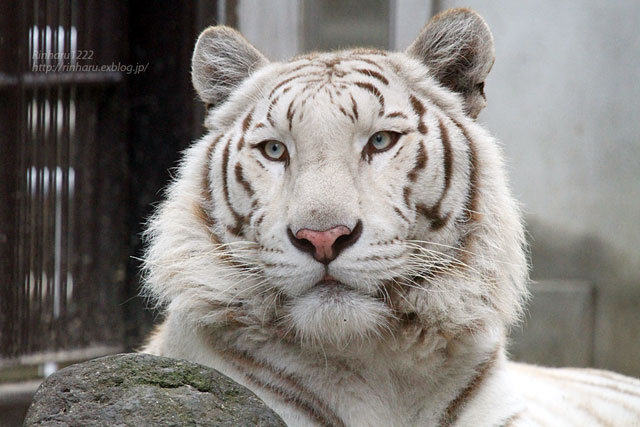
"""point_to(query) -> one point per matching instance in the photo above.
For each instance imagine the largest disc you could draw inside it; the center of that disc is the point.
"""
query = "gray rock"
(145, 390)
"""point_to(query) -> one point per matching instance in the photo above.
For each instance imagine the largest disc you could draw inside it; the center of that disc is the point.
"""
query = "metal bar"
(62, 159)
(73, 258)
(33, 329)
(36, 342)
(84, 297)
(49, 150)
(9, 183)
(25, 177)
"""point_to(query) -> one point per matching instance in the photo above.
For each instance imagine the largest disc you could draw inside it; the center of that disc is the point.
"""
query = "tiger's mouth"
(331, 288)
(331, 283)
(334, 313)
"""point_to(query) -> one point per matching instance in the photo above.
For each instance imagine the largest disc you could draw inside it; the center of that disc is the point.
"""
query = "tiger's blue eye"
(274, 150)
(381, 140)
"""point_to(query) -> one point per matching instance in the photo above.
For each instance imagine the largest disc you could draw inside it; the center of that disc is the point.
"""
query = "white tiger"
(343, 242)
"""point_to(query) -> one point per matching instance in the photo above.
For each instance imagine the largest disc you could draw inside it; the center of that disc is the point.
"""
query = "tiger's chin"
(333, 314)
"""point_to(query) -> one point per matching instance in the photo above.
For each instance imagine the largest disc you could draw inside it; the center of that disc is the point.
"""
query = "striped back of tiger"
(577, 397)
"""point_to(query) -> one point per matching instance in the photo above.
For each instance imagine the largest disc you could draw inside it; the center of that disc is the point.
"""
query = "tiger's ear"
(457, 46)
(222, 59)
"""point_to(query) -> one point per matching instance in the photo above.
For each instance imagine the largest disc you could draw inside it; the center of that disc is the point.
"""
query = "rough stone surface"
(145, 390)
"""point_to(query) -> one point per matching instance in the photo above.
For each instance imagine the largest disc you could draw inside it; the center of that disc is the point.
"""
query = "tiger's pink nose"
(323, 241)
(325, 246)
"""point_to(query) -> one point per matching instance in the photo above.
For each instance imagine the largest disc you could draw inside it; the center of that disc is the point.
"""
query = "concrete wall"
(272, 26)
(564, 99)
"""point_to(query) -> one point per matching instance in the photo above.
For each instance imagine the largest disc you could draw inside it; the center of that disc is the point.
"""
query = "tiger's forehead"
(336, 68)
(336, 91)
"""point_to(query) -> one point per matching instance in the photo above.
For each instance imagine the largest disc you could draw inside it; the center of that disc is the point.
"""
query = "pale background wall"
(564, 99)
(272, 26)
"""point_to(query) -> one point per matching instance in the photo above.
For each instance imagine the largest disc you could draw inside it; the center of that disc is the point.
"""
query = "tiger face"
(339, 194)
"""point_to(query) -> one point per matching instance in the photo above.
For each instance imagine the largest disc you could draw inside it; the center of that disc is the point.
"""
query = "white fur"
(398, 343)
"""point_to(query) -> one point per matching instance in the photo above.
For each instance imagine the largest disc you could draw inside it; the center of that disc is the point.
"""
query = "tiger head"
(339, 196)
